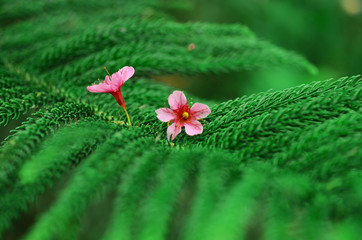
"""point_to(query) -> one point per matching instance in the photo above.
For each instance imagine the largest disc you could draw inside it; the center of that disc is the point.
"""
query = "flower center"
(185, 115)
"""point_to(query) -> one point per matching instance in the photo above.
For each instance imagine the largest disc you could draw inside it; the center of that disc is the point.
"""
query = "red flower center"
(183, 113)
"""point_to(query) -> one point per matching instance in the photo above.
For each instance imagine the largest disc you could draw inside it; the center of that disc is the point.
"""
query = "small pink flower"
(191, 47)
(112, 84)
(182, 115)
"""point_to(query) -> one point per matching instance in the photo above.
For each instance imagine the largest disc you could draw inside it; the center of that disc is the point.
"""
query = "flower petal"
(107, 81)
(120, 77)
(193, 127)
(174, 129)
(116, 81)
(102, 87)
(177, 99)
(199, 110)
(127, 73)
(165, 114)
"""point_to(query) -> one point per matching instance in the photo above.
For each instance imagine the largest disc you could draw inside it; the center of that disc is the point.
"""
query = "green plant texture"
(277, 165)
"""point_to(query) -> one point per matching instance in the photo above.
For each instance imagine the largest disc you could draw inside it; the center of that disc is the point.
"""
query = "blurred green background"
(327, 32)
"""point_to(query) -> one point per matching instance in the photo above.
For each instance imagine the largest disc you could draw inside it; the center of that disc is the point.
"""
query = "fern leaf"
(162, 198)
(25, 139)
(212, 184)
(247, 53)
(133, 188)
(60, 153)
(229, 220)
(89, 180)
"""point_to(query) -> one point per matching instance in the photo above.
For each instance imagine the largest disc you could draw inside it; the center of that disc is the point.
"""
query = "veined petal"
(199, 110)
(107, 81)
(101, 87)
(120, 77)
(177, 99)
(127, 73)
(174, 129)
(193, 127)
(116, 81)
(165, 114)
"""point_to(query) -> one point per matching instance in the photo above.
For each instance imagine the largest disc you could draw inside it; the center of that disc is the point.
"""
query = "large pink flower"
(180, 114)
(112, 84)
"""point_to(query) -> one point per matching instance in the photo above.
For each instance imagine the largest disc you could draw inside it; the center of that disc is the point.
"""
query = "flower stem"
(129, 120)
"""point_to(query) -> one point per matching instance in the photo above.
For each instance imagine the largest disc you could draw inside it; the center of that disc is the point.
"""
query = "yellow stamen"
(185, 115)
(108, 73)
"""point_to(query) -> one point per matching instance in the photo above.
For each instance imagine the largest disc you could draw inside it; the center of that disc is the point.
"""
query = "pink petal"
(107, 81)
(174, 129)
(127, 73)
(116, 81)
(177, 99)
(120, 77)
(165, 114)
(199, 110)
(102, 87)
(193, 127)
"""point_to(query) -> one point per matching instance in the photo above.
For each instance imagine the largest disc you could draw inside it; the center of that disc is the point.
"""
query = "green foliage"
(274, 165)
(90, 179)
(24, 141)
(48, 164)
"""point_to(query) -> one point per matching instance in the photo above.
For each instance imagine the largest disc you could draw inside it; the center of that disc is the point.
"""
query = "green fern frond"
(212, 182)
(133, 187)
(238, 51)
(274, 165)
(18, 101)
(333, 135)
(257, 104)
(59, 154)
(152, 33)
(89, 180)
(160, 201)
(230, 219)
(298, 115)
(25, 139)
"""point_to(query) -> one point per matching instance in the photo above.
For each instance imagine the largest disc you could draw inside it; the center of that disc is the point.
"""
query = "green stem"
(129, 120)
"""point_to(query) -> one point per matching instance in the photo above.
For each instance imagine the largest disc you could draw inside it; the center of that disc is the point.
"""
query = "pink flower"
(191, 47)
(112, 84)
(182, 115)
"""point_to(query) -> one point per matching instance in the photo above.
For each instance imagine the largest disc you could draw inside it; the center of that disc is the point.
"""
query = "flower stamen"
(108, 73)
(185, 115)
